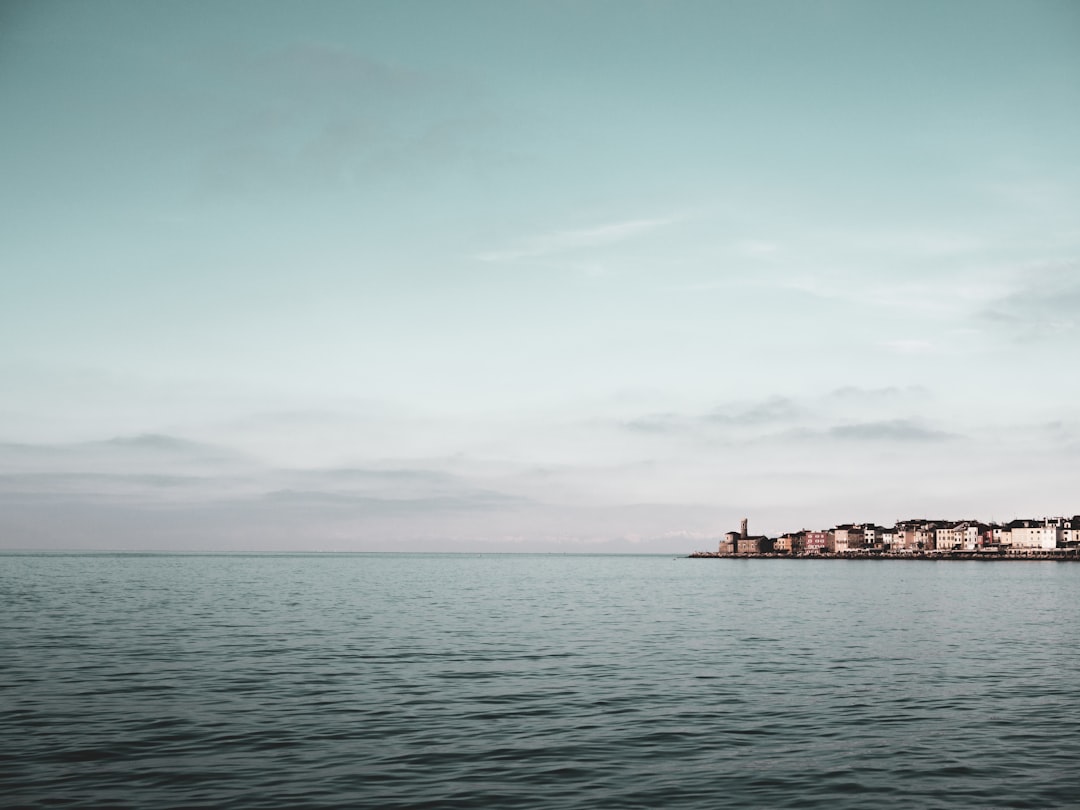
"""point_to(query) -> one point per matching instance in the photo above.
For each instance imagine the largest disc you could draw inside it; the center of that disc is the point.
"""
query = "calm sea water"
(503, 681)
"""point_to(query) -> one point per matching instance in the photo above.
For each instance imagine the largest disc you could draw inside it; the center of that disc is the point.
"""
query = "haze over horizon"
(559, 276)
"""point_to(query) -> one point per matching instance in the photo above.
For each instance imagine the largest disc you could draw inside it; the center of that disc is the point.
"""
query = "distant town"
(1055, 538)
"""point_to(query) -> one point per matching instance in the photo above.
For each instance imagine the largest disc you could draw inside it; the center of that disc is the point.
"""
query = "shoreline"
(955, 556)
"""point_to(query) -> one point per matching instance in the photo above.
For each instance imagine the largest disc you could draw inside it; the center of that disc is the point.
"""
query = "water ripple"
(412, 681)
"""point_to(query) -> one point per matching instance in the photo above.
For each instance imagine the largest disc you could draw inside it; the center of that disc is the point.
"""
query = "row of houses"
(913, 536)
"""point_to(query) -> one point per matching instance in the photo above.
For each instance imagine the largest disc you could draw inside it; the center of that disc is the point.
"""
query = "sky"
(535, 276)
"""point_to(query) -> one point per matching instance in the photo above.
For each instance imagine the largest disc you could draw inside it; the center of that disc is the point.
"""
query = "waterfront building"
(944, 538)
(970, 535)
(818, 542)
(792, 543)
(926, 535)
(888, 538)
(874, 537)
(1070, 532)
(742, 542)
(729, 545)
(1048, 537)
(964, 535)
(904, 536)
(1033, 534)
(755, 544)
(848, 537)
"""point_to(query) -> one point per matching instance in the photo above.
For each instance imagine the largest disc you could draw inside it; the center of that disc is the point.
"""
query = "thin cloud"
(1044, 302)
(757, 249)
(890, 430)
(774, 409)
(848, 415)
(949, 297)
(156, 442)
(149, 453)
(479, 500)
(152, 471)
(658, 423)
(743, 415)
(909, 346)
(917, 242)
(854, 393)
(137, 490)
(377, 475)
(579, 239)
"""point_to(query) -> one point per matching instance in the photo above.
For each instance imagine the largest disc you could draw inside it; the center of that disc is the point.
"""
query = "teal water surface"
(533, 681)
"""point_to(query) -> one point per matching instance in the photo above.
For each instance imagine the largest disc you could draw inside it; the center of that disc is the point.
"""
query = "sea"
(536, 681)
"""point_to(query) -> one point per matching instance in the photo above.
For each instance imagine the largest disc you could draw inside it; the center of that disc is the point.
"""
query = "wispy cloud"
(903, 430)
(1043, 302)
(757, 248)
(915, 242)
(909, 346)
(470, 501)
(770, 411)
(888, 393)
(840, 417)
(566, 241)
(943, 298)
(153, 470)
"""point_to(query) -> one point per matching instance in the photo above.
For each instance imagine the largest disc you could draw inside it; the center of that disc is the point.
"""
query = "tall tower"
(743, 528)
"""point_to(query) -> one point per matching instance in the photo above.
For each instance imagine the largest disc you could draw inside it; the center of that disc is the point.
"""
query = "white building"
(1040, 534)
(1070, 531)
(966, 535)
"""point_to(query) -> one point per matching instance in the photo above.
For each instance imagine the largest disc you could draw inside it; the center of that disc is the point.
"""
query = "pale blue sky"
(573, 272)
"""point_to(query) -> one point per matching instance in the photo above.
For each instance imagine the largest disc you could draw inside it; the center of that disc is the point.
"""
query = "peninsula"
(1048, 538)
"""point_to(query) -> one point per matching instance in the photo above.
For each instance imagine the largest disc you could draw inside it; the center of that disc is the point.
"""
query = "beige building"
(964, 535)
(742, 542)
(729, 545)
(847, 537)
(944, 538)
(757, 544)
(926, 536)
(790, 543)
(904, 537)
